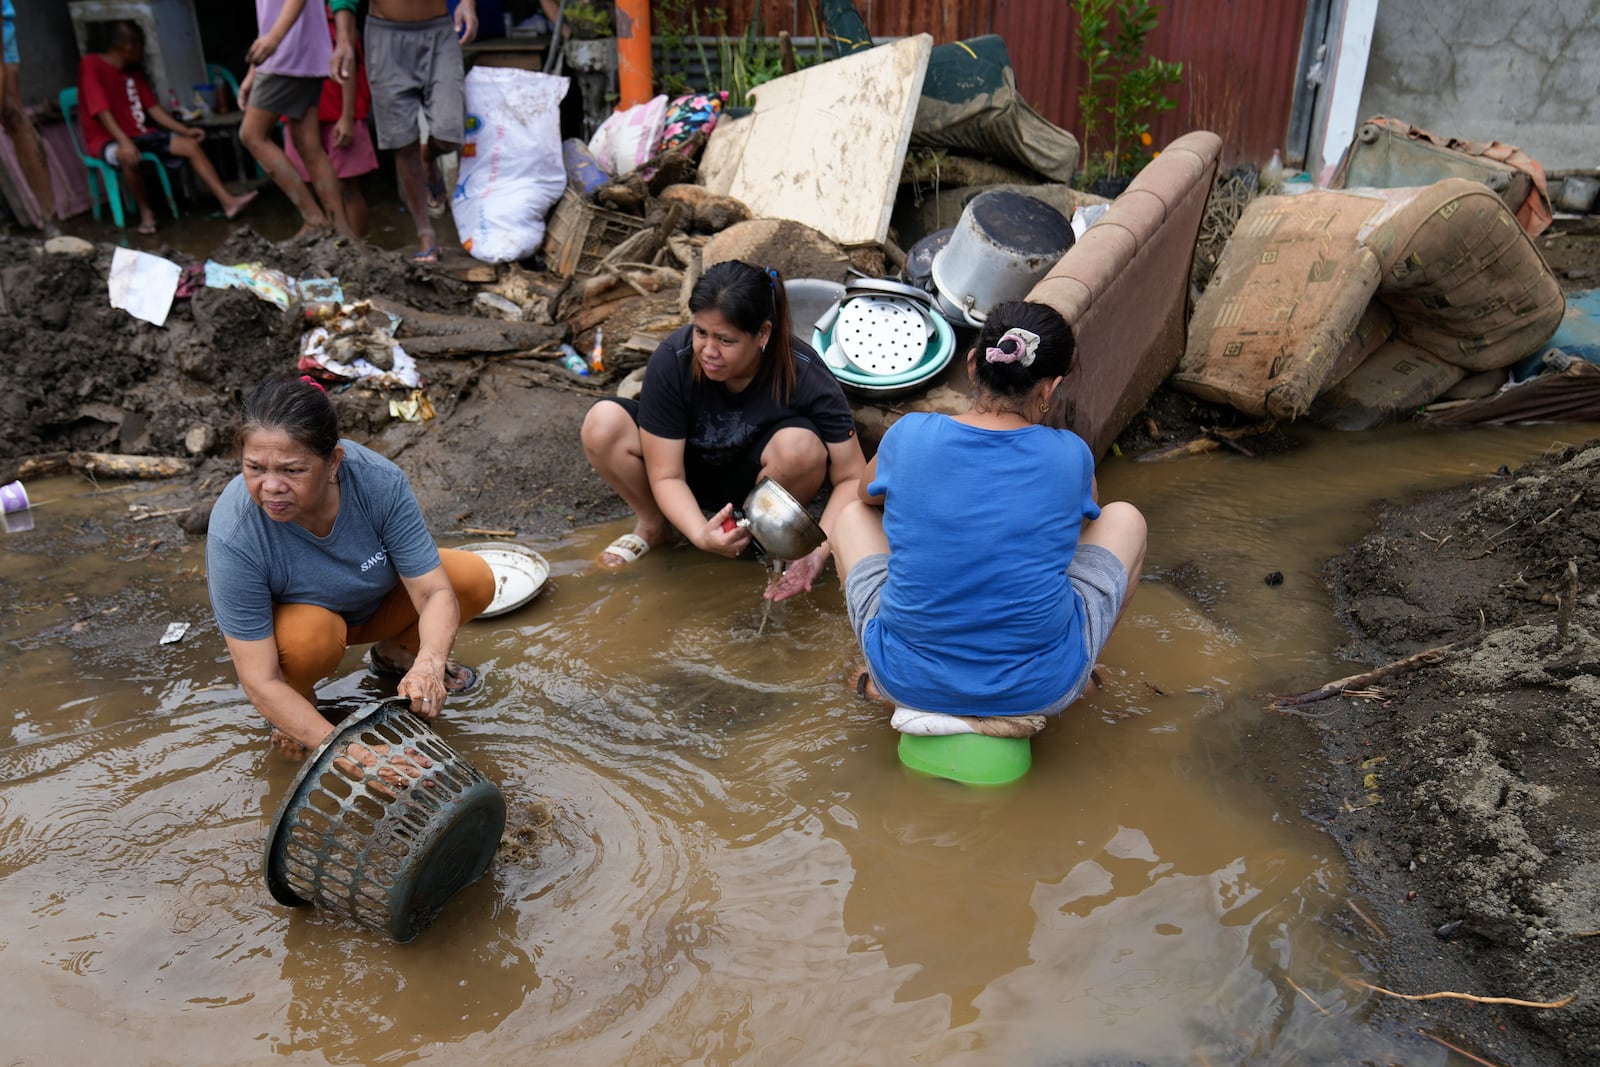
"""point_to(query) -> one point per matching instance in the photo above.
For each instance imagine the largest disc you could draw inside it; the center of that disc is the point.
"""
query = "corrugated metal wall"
(1239, 56)
(1239, 59)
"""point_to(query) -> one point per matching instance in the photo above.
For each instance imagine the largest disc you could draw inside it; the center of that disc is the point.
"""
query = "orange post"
(634, 73)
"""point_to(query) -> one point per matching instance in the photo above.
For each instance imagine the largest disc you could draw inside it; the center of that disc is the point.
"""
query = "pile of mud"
(86, 376)
(1467, 792)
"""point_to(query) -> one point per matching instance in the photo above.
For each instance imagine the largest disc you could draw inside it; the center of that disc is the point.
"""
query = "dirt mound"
(1467, 795)
(84, 376)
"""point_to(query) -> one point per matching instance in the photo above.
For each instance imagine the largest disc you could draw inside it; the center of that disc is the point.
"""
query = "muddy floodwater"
(718, 857)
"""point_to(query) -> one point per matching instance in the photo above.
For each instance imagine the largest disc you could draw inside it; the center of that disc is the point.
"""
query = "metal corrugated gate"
(1240, 56)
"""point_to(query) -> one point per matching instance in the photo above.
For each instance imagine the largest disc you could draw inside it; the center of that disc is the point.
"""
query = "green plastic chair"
(218, 73)
(110, 175)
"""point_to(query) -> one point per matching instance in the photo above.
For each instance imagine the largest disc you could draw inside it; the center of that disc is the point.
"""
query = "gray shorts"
(1096, 574)
(415, 68)
(285, 94)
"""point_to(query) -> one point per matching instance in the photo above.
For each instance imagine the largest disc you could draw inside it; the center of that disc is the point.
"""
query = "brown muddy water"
(728, 864)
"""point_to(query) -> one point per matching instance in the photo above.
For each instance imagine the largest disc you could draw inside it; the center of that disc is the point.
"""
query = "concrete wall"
(49, 52)
(1525, 74)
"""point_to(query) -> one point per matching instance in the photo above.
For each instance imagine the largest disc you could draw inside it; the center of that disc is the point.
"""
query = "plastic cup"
(17, 521)
(13, 497)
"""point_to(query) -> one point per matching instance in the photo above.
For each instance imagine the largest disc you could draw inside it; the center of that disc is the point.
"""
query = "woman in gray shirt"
(319, 544)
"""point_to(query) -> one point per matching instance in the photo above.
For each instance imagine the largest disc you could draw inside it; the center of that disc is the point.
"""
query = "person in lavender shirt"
(288, 63)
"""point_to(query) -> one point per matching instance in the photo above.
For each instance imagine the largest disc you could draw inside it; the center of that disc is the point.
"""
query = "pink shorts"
(350, 162)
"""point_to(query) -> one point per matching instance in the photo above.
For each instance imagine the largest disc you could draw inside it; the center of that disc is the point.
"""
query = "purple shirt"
(306, 48)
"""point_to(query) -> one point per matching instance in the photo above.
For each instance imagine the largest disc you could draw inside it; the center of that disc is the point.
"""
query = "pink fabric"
(68, 177)
(350, 162)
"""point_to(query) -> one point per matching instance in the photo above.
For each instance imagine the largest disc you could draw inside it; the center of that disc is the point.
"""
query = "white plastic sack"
(627, 139)
(511, 169)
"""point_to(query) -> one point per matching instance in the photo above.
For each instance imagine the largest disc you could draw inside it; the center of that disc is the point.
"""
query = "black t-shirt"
(718, 426)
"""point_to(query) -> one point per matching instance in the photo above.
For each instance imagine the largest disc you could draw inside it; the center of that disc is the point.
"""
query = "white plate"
(519, 574)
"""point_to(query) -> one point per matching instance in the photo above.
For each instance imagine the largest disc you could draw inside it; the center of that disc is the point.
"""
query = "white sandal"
(628, 547)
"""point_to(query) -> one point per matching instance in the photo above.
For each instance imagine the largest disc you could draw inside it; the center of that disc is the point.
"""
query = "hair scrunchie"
(1016, 345)
(309, 380)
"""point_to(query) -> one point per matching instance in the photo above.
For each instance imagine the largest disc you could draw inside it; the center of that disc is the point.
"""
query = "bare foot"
(310, 228)
(239, 203)
(147, 226)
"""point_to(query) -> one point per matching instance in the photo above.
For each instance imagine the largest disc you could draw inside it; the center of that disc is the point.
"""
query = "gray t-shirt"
(253, 561)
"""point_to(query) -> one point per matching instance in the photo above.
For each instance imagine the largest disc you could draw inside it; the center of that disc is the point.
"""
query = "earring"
(1044, 409)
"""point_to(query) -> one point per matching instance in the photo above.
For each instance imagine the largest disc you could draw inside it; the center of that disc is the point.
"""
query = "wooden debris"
(1339, 687)
(104, 464)
(484, 531)
(1293, 985)
(1195, 447)
(1568, 601)
(1457, 1049)
(1475, 999)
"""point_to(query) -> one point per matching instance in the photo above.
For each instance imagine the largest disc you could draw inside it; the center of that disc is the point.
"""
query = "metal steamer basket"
(388, 857)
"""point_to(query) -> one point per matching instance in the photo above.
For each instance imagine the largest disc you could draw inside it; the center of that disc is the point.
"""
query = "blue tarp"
(1578, 335)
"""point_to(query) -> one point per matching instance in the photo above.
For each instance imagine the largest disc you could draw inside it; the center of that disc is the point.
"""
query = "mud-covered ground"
(1466, 792)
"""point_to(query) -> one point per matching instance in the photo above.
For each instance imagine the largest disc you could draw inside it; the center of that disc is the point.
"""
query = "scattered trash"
(13, 497)
(358, 344)
(573, 360)
(499, 305)
(414, 408)
(143, 285)
(175, 633)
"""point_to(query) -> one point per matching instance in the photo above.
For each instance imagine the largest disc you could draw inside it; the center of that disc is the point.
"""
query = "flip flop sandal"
(380, 667)
(627, 548)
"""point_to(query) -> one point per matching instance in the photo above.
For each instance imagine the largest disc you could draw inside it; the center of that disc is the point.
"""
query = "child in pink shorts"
(347, 139)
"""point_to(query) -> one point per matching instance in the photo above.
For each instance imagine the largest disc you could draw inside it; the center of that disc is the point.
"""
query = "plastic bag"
(627, 139)
(511, 168)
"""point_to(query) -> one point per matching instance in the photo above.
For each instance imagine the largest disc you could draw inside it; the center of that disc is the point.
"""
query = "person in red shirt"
(346, 137)
(120, 119)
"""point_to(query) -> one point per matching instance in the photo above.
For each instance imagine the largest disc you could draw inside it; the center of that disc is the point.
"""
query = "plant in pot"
(1122, 89)
(591, 38)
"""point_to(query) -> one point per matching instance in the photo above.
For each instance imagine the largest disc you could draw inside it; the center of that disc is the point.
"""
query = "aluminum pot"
(780, 527)
(1004, 243)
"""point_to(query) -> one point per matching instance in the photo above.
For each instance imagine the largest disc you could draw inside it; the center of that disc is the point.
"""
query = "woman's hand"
(722, 535)
(798, 576)
(423, 685)
(344, 131)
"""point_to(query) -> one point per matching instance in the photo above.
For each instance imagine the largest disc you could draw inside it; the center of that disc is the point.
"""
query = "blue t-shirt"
(977, 615)
(253, 561)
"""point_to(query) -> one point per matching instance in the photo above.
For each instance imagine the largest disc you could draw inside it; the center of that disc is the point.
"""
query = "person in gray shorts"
(982, 577)
(414, 65)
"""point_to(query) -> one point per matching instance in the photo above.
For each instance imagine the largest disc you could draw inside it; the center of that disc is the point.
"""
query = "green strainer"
(384, 856)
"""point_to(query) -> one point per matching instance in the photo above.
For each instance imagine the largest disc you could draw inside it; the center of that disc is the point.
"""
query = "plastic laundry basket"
(388, 858)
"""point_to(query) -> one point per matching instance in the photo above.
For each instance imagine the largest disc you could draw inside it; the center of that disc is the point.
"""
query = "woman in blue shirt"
(981, 576)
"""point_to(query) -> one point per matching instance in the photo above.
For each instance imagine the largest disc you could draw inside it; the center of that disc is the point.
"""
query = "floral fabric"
(688, 115)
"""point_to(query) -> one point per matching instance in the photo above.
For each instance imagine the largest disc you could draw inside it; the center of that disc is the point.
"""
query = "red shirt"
(126, 94)
(331, 107)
